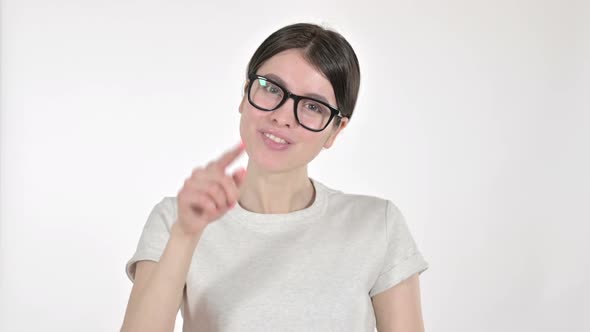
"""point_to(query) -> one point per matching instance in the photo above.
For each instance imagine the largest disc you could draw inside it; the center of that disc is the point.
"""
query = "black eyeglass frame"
(296, 99)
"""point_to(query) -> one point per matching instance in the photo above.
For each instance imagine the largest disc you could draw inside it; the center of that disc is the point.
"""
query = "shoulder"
(167, 204)
(163, 212)
(359, 203)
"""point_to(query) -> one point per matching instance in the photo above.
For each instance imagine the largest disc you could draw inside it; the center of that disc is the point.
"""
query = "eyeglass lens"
(267, 95)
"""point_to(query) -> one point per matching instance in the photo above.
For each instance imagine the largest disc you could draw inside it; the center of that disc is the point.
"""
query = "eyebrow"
(312, 95)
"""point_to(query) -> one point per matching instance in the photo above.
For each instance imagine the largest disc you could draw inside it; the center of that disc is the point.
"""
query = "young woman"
(269, 248)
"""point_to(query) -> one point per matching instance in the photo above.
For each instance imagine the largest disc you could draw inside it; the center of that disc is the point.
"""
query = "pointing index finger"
(231, 155)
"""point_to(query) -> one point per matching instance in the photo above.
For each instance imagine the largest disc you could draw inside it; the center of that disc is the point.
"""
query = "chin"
(272, 165)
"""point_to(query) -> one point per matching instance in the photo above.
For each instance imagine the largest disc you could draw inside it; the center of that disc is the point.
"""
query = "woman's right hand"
(209, 193)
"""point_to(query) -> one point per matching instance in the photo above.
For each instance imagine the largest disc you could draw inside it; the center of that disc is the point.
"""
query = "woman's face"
(290, 69)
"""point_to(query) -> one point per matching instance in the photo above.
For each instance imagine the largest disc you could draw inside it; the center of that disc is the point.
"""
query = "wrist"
(185, 237)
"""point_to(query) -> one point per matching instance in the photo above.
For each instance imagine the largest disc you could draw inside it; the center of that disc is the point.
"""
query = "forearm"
(156, 305)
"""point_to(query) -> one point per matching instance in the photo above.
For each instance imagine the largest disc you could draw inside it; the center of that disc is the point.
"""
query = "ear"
(241, 104)
(334, 134)
(243, 96)
(245, 87)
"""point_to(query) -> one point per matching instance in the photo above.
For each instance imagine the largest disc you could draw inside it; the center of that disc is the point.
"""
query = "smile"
(275, 138)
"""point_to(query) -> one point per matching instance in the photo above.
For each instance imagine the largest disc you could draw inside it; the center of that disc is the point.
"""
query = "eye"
(314, 107)
(273, 89)
(269, 87)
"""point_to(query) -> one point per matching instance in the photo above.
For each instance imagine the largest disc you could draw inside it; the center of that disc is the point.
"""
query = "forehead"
(298, 75)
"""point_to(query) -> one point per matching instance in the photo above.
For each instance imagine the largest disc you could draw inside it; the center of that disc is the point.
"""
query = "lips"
(277, 134)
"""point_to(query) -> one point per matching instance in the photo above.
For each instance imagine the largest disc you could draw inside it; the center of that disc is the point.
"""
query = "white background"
(473, 117)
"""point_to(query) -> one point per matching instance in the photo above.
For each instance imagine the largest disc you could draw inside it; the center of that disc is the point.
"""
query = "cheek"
(314, 142)
(249, 113)
(310, 147)
(250, 120)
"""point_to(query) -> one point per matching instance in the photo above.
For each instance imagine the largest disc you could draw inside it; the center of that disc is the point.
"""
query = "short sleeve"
(402, 258)
(154, 236)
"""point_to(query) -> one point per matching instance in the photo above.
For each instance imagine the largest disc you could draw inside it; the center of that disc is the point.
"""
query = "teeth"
(276, 139)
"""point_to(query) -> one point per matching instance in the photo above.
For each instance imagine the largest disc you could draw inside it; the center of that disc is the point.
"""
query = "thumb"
(239, 176)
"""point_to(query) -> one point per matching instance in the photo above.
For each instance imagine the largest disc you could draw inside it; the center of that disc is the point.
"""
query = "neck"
(285, 192)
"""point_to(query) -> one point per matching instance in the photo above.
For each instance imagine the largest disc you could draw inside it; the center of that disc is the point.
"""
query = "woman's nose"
(284, 115)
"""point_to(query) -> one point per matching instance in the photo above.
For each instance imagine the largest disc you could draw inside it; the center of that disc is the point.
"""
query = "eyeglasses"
(311, 114)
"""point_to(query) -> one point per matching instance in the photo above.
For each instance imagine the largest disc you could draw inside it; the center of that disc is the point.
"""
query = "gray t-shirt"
(314, 269)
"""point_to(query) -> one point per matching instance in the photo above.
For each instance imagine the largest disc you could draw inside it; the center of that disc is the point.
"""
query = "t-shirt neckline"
(303, 216)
